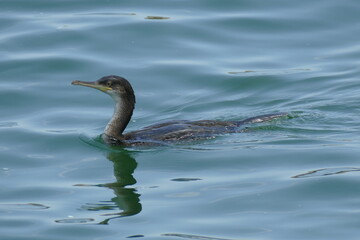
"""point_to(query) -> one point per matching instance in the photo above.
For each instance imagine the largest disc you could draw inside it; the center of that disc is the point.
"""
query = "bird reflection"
(126, 198)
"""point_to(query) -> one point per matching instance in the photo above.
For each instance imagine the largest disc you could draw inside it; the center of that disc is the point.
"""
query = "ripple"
(326, 172)
(185, 179)
(188, 236)
(156, 18)
(271, 72)
(75, 220)
(22, 206)
(136, 236)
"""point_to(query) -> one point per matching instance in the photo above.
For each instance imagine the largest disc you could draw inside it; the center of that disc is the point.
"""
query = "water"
(292, 178)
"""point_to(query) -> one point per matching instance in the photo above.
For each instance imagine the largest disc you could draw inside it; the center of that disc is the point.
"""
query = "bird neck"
(120, 119)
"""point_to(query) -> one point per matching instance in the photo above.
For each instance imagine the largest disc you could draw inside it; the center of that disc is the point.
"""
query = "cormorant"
(169, 132)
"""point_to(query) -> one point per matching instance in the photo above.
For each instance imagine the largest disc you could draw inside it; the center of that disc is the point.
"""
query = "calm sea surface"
(292, 178)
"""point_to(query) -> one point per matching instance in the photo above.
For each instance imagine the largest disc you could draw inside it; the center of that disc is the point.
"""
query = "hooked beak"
(92, 85)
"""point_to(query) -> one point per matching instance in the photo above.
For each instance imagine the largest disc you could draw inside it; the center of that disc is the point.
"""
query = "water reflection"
(126, 199)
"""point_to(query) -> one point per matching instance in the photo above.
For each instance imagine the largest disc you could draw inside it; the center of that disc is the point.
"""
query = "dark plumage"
(175, 131)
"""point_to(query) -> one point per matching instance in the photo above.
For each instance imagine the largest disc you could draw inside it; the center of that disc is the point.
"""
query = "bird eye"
(108, 84)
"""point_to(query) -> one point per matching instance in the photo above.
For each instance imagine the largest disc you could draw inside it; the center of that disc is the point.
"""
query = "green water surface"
(295, 178)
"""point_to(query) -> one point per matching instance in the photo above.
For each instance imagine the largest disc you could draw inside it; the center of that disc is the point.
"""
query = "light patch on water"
(184, 195)
(225, 187)
(8, 124)
(2, 148)
(39, 156)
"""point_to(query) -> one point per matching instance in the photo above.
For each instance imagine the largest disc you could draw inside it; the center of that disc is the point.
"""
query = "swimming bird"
(163, 133)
